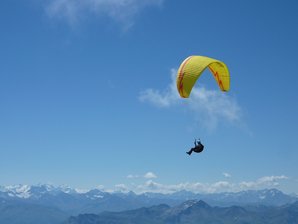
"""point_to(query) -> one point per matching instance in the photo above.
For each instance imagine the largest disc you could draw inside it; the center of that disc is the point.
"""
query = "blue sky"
(87, 96)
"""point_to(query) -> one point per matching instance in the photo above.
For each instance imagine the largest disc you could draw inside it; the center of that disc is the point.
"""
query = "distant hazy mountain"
(24, 202)
(265, 197)
(193, 212)
(24, 213)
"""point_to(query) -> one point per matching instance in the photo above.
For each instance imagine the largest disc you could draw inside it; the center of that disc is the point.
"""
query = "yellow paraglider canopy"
(191, 69)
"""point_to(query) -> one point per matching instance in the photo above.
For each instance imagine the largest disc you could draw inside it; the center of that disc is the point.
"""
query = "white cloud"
(131, 176)
(121, 188)
(122, 11)
(151, 186)
(267, 181)
(209, 107)
(216, 187)
(167, 98)
(100, 187)
(150, 175)
(227, 175)
(196, 187)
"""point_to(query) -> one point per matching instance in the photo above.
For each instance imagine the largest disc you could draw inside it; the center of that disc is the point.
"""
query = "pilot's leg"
(190, 151)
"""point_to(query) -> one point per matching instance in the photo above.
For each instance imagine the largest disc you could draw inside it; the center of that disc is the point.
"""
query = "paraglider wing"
(191, 69)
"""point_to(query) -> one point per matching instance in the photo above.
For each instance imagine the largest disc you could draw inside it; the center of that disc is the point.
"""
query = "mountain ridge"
(191, 212)
(59, 203)
(50, 193)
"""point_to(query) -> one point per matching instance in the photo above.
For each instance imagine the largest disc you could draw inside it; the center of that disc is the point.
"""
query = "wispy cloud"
(216, 187)
(219, 186)
(121, 11)
(267, 181)
(121, 188)
(227, 175)
(197, 187)
(148, 175)
(209, 107)
(132, 176)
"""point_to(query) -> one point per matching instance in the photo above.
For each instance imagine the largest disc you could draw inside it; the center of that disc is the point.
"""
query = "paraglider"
(199, 147)
(189, 72)
(191, 69)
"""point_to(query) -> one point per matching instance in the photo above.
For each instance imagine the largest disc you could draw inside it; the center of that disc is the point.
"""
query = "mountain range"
(193, 212)
(50, 204)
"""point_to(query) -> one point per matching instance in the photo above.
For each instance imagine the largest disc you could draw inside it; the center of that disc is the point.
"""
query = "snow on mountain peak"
(189, 203)
(27, 191)
(20, 191)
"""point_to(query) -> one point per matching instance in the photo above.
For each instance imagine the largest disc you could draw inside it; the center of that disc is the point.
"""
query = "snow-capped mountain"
(265, 197)
(20, 191)
(34, 191)
(62, 201)
(71, 199)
